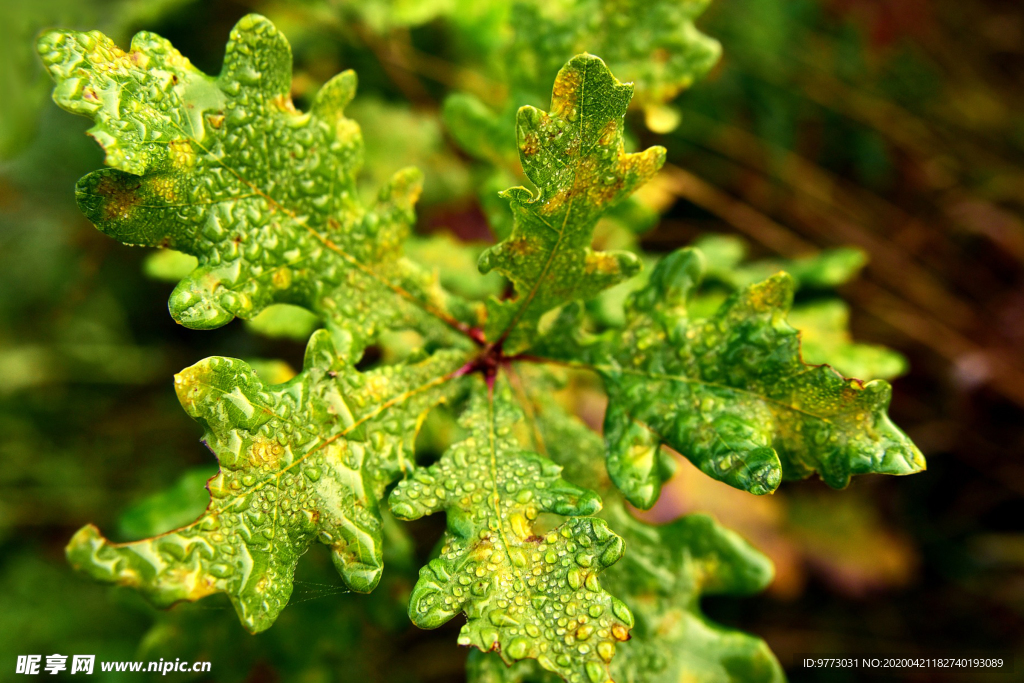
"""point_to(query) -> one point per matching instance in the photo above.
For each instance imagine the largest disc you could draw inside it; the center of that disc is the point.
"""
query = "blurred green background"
(895, 126)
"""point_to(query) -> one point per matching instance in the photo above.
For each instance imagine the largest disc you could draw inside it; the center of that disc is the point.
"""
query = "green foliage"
(664, 574)
(725, 255)
(823, 321)
(454, 262)
(731, 393)
(667, 570)
(227, 170)
(302, 461)
(825, 338)
(526, 595)
(653, 45)
(284, 321)
(171, 508)
(268, 202)
(575, 157)
(397, 137)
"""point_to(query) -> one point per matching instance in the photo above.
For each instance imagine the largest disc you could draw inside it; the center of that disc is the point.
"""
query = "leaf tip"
(47, 43)
(335, 95)
(82, 546)
(194, 305)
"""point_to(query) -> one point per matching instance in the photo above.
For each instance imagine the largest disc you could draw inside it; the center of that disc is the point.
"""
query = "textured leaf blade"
(574, 156)
(731, 393)
(652, 44)
(823, 323)
(662, 576)
(227, 170)
(525, 595)
(303, 461)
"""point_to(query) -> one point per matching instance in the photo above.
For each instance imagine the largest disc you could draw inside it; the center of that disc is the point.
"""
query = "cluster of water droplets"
(574, 155)
(525, 595)
(228, 170)
(732, 394)
(295, 468)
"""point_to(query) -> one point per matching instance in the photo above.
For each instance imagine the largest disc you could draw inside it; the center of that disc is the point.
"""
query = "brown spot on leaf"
(608, 133)
(265, 452)
(644, 164)
(530, 145)
(181, 153)
(557, 200)
(120, 196)
(341, 551)
(519, 247)
(602, 263)
(566, 86)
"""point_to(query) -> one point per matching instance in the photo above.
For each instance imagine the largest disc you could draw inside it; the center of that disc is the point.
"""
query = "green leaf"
(169, 265)
(652, 44)
(226, 169)
(574, 156)
(823, 324)
(825, 338)
(662, 576)
(731, 393)
(667, 570)
(454, 262)
(322, 618)
(173, 507)
(303, 461)
(825, 270)
(525, 594)
(284, 321)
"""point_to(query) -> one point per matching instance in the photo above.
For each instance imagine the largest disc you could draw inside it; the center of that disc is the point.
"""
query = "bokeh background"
(894, 126)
